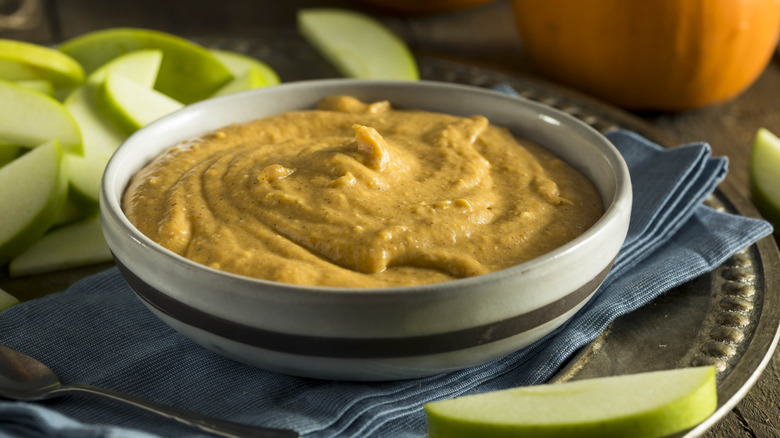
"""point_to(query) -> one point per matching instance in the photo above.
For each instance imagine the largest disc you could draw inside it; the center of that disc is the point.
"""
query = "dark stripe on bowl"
(366, 348)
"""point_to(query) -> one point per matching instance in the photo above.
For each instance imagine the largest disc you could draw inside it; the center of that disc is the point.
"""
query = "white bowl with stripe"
(371, 334)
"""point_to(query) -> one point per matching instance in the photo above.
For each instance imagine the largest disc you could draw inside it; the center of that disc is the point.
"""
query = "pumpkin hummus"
(357, 194)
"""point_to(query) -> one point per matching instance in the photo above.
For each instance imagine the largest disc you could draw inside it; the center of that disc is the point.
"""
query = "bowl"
(381, 333)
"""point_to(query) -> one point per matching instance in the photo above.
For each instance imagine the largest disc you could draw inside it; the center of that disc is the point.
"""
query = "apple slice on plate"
(40, 85)
(33, 191)
(72, 211)
(85, 174)
(250, 79)
(25, 61)
(765, 175)
(141, 66)
(8, 152)
(99, 132)
(29, 118)
(131, 105)
(7, 300)
(189, 72)
(357, 45)
(78, 244)
(239, 64)
(101, 136)
(643, 405)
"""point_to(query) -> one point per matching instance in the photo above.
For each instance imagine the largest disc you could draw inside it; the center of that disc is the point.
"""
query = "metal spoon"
(24, 378)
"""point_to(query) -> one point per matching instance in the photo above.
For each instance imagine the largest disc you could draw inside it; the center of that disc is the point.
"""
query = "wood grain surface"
(485, 36)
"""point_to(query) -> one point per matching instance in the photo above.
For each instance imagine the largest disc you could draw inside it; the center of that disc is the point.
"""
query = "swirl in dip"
(360, 195)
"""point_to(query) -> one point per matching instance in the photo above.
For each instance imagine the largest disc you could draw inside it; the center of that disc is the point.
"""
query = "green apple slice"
(23, 61)
(131, 105)
(40, 85)
(141, 66)
(72, 211)
(85, 174)
(189, 72)
(100, 135)
(248, 80)
(8, 152)
(7, 300)
(29, 118)
(78, 244)
(652, 404)
(765, 175)
(239, 64)
(357, 45)
(32, 190)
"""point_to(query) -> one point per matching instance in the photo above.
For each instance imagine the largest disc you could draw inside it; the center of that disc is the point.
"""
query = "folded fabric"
(97, 332)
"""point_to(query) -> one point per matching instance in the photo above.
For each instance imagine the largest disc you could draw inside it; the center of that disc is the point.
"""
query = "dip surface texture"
(360, 195)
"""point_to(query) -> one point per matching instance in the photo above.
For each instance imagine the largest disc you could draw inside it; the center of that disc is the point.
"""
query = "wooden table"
(485, 36)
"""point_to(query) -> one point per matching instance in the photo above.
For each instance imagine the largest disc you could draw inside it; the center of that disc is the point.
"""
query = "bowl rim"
(110, 203)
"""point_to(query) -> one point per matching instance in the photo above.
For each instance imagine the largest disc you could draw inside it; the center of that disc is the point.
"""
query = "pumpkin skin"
(651, 55)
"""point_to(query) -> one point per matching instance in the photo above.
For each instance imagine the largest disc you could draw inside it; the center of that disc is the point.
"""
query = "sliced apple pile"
(651, 404)
(66, 110)
(188, 73)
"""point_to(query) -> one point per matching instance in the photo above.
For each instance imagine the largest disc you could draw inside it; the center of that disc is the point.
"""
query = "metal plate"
(728, 318)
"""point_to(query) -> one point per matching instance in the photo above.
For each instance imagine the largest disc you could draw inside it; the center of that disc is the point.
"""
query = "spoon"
(26, 379)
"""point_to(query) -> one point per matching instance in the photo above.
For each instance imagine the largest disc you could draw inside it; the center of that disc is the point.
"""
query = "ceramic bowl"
(383, 333)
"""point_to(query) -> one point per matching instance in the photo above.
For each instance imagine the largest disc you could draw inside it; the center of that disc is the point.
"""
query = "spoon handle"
(209, 424)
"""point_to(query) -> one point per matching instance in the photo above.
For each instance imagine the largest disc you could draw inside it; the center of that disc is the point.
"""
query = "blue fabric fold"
(97, 332)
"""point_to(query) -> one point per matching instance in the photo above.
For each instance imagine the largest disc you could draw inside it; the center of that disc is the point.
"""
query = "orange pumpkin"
(651, 54)
(423, 7)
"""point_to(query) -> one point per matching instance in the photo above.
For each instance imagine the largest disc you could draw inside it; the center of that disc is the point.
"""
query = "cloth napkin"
(97, 332)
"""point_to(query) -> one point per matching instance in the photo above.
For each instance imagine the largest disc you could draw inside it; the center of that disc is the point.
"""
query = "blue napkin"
(97, 332)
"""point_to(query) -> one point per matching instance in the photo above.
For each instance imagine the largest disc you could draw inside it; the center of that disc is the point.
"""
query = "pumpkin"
(651, 54)
(423, 7)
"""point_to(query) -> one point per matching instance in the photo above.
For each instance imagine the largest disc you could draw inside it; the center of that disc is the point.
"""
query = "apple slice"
(100, 135)
(248, 80)
(23, 61)
(78, 244)
(141, 66)
(32, 190)
(72, 211)
(8, 152)
(131, 105)
(651, 404)
(765, 176)
(7, 300)
(40, 85)
(239, 64)
(29, 118)
(189, 72)
(85, 174)
(357, 45)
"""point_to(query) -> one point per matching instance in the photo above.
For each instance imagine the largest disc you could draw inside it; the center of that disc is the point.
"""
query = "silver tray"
(729, 318)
